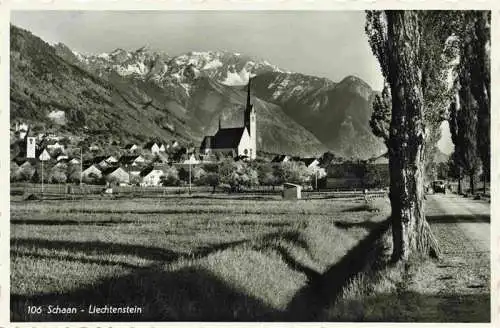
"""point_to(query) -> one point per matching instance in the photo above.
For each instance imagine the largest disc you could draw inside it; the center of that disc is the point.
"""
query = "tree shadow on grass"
(73, 258)
(189, 294)
(368, 225)
(97, 247)
(324, 289)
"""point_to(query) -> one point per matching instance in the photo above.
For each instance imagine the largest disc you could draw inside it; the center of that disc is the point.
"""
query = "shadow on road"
(457, 218)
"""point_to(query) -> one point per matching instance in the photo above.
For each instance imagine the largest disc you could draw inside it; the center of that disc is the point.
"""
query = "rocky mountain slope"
(44, 85)
(141, 94)
(338, 114)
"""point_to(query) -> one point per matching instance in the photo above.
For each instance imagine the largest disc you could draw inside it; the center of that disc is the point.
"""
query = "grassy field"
(200, 258)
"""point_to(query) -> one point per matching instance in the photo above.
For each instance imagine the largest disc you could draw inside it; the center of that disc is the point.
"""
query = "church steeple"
(251, 124)
(249, 105)
(249, 108)
(219, 122)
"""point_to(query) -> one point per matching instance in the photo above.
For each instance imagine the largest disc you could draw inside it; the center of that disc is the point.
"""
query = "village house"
(100, 161)
(310, 162)
(131, 147)
(111, 160)
(161, 158)
(151, 176)
(62, 157)
(91, 172)
(281, 159)
(104, 161)
(152, 147)
(239, 141)
(132, 160)
(116, 174)
(54, 146)
(162, 148)
(44, 155)
(192, 159)
(74, 161)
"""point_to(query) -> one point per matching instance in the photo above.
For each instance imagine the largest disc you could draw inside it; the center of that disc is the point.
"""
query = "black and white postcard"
(241, 165)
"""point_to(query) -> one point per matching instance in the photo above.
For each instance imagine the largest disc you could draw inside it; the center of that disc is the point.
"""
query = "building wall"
(119, 175)
(253, 133)
(153, 178)
(155, 149)
(246, 143)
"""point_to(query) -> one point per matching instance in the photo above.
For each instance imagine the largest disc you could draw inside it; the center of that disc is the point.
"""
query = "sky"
(329, 44)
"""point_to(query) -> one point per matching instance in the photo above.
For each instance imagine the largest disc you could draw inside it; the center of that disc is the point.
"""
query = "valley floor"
(186, 258)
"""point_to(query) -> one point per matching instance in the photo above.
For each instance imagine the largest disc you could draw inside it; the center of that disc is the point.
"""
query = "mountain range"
(141, 94)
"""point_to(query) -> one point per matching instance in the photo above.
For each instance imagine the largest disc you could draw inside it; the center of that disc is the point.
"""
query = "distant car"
(439, 186)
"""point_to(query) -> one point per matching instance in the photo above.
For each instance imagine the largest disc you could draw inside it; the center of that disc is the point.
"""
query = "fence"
(58, 191)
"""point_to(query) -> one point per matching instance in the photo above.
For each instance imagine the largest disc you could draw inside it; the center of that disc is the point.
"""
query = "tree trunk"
(411, 232)
(484, 183)
(459, 191)
(471, 184)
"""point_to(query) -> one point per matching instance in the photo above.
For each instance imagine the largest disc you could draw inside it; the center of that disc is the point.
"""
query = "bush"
(237, 174)
(171, 177)
(93, 178)
(73, 173)
(293, 172)
(266, 176)
(57, 176)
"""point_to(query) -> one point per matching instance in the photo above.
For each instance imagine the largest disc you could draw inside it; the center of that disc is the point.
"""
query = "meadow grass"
(179, 258)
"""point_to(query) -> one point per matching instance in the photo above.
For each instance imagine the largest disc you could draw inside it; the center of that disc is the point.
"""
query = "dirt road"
(458, 285)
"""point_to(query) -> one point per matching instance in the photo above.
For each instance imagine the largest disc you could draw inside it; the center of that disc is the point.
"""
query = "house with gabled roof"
(152, 147)
(44, 155)
(131, 147)
(310, 162)
(91, 171)
(132, 160)
(281, 159)
(151, 176)
(116, 174)
(193, 159)
(240, 141)
(54, 146)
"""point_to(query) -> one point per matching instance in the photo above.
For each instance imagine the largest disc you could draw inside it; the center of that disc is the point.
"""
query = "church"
(240, 141)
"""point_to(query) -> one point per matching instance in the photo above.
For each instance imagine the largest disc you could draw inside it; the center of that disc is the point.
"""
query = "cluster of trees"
(236, 175)
(54, 174)
(436, 67)
(369, 175)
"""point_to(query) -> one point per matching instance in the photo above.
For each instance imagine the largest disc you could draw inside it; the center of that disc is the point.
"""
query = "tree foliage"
(470, 113)
(437, 57)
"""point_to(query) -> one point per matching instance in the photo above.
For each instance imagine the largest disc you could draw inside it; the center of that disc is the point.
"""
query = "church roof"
(227, 138)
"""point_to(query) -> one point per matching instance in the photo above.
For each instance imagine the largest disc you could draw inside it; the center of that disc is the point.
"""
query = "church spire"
(248, 94)
(219, 122)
